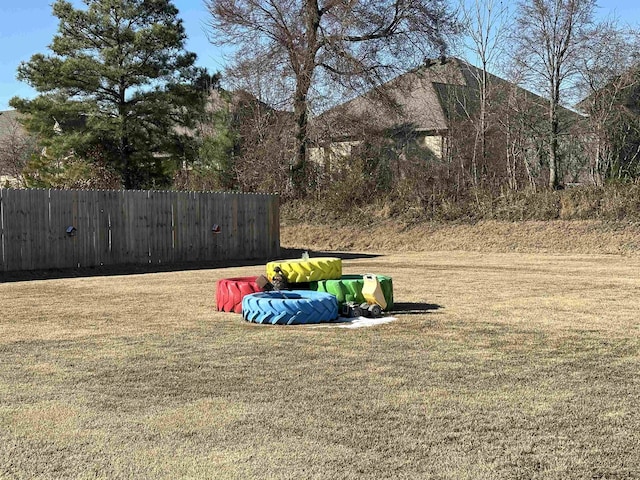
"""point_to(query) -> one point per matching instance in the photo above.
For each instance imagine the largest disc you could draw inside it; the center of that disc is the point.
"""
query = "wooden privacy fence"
(42, 229)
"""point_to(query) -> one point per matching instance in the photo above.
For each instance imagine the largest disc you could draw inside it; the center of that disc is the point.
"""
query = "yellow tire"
(309, 270)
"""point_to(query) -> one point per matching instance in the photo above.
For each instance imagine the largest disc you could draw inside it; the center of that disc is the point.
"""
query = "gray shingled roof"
(414, 98)
(427, 98)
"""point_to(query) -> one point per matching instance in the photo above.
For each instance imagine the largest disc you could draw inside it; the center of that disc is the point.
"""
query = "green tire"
(349, 288)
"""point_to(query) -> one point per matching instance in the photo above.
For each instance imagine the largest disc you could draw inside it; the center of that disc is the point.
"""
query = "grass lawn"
(500, 366)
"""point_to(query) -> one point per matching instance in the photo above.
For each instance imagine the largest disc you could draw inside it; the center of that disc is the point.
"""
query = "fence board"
(119, 229)
(142, 226)
(190, 228)
(225, 238)
(235, 242)
(168, 208)
(22, 253)
(53, 246)
(200, 244)
(38, 225)
(103, 206)
(222, 219)
(12, 231)
(69, 218)
(153, 210)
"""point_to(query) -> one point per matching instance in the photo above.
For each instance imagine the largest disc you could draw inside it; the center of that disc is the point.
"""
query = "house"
(418, 108)
(613, 127)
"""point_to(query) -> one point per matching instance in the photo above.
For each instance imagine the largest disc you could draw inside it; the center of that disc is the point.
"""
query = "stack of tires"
(317, 291)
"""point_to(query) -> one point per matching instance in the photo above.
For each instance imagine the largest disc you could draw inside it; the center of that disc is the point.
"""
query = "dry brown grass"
(499, 366)
(560, 236)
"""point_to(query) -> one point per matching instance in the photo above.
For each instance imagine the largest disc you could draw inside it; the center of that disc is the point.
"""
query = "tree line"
(122, 104)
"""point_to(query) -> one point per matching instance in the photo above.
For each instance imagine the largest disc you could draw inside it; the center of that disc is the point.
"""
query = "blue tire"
(295, 307)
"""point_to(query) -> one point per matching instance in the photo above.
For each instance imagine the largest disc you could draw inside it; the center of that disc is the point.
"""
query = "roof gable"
(428, 98)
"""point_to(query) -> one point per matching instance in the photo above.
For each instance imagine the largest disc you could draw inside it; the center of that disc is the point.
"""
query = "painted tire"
(294, 307)
(349, 288)
(310, 270)
(231, 291)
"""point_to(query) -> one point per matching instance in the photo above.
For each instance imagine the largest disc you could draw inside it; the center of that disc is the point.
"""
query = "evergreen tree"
(115, 87)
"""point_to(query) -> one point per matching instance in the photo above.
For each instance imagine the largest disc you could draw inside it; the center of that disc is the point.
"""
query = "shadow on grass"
(111, 270)
(413, 308)
(138, 269)
(287, 253)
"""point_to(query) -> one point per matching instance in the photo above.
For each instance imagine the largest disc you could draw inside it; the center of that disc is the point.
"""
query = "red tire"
(231, 291)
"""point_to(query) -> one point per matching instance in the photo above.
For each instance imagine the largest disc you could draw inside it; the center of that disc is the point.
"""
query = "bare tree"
(551, 39)
(484, 25)
(16, 146)
(316, 44)
(266, 141)
(521, 122)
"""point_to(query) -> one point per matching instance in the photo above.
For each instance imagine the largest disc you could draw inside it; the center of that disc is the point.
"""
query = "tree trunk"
(299, 168)
(597, 167)
(483, 116)
(554, 182)
(304, 65)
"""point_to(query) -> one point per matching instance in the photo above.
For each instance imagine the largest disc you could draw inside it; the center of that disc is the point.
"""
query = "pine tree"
(114, 87)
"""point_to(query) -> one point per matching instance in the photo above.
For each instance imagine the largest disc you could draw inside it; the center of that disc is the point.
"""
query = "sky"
(28, 26)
